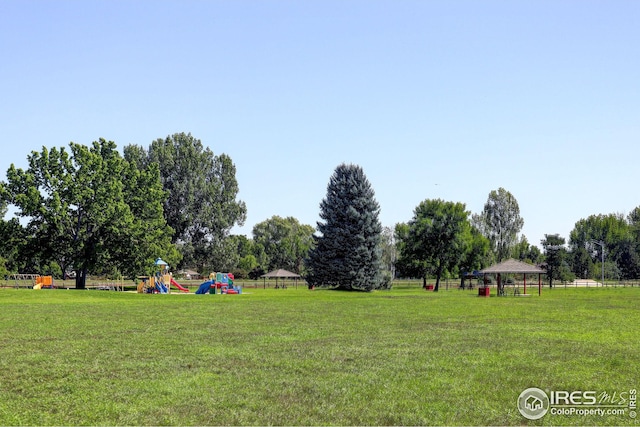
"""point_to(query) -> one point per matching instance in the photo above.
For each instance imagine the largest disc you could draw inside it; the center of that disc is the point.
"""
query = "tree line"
(91, 210)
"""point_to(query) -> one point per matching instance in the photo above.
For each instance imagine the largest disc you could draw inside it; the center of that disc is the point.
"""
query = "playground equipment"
(161, 282)
(222, 281)
(179, 286)
(22, 280)
(44, 282)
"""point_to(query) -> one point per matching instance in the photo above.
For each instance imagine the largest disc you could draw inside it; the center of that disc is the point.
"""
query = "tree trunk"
(81, 279)
(438, 274)
(424, 282)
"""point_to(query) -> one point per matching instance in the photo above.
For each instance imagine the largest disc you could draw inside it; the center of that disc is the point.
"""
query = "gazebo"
(513, 266)
(280, 274)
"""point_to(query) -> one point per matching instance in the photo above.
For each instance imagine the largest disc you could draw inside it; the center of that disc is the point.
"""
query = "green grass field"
(300, 357)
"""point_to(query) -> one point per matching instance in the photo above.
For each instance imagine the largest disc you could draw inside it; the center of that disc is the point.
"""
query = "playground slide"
(204, 287)
(177, 285)
(161, 287)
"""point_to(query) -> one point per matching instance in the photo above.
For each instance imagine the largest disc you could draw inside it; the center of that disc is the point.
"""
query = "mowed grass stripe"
(299, 357)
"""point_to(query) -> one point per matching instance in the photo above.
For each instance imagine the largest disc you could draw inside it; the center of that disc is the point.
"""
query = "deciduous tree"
(478, 255)
(619, 237)
(286, 242)
(89, 210)
(523, 251)
(555, 255)
(436, 239)
(202, 204)
(12, 241)
(389, 252)
(500, 222)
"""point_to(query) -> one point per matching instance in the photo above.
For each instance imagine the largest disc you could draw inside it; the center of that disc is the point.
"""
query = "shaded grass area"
(299, 357)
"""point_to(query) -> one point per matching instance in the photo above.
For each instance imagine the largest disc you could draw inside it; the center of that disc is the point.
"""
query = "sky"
(433, 99)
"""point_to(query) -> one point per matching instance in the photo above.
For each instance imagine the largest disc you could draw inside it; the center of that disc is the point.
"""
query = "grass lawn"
(300, 357)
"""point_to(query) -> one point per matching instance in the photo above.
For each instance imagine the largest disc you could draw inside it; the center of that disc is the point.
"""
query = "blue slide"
(204, 288)
(162, 288)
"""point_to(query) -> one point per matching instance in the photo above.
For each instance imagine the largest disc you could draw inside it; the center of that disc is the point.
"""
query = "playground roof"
(280, 273)
(513, 266)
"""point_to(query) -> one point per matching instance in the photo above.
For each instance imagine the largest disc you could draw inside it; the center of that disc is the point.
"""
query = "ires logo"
(534, 403)
(573, 398)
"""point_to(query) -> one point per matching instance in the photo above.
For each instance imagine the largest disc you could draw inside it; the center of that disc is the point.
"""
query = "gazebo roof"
(189, 272)
(280, 273)
(513, 266)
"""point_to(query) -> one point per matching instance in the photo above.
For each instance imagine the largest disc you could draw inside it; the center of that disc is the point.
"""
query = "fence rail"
(25, 282)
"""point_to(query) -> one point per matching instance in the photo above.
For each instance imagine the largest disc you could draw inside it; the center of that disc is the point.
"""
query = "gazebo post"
(539, 284)
(525, 283)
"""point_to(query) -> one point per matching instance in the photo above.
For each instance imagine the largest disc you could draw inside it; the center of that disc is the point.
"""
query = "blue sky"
(434, 99)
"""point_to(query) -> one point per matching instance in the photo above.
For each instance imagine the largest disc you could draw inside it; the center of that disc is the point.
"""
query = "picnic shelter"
(280, 274)
(513, 266)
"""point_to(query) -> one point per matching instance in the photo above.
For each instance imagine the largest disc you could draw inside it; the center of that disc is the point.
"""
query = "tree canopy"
(500, 222)
(618, 236)
(12, 241)
(525, 252)
(555, 258)
(89, 210)
(347, 251)
(202, 204)
(284, 241)
(436, 239)
(92, 210)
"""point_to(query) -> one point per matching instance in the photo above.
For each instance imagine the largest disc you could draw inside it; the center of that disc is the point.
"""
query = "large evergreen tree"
(347, 251)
